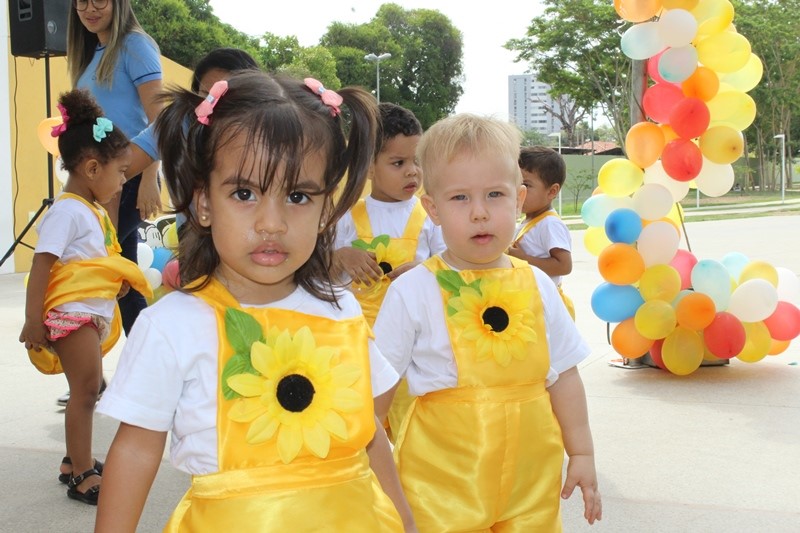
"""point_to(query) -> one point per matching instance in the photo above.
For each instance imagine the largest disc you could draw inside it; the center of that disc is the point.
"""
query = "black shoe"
(64, 478)
(64, 398)
(91, 494)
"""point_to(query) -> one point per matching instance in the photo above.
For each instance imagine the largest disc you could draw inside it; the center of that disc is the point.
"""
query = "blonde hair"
(466, 133)
(82, 44)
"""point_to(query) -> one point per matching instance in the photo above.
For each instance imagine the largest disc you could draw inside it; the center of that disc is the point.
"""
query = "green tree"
(574, 47)
(316, 62)
(425, 71)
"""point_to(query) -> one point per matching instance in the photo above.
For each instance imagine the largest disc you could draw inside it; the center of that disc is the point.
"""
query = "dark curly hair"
(77, 143)
(395, 120)
(228, 59)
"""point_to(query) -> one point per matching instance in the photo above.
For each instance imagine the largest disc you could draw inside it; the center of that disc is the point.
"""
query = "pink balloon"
(652, 67)
(725, 336)
(682, 159)
(684, 261)
(655, 354)
(659, 100)
(784, 323)
(171, 275)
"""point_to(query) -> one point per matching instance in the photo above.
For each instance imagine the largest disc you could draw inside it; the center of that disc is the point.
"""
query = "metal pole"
(378, 80)
(782, 137)
(559, 190)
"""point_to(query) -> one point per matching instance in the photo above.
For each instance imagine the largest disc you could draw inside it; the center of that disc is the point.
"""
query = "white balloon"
(596, 208)
(677, 27)
(658, 243)
(735, 262)
(715, 179)
(642, 41)
(655, 173)
(788, 286)
(153, 277)
(61, 174)
(652, 201)
(144, 255)
(753, 301)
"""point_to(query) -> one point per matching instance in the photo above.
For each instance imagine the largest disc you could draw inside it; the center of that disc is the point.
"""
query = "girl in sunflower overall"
(71, 313)
(388, 232)
(489, 351)
(262, 370)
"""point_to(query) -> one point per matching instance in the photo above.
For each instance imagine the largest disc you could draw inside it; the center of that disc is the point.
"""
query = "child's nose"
(270, 220)
(479, 211)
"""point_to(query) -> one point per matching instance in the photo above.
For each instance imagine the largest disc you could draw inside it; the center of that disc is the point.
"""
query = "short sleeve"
(436, 243)
(142, 60)
(56, 230)
(395, 331)
(382, 374)
(557, 235)
(146, 140)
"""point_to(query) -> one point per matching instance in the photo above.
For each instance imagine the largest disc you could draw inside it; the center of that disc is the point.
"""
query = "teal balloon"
(615, 303)
(161, 257)
(712, 279)
(623, 225)
(735, 263)
(642, 41)
(596, 209)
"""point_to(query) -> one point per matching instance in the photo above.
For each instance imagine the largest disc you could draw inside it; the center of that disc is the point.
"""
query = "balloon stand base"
(648, 361)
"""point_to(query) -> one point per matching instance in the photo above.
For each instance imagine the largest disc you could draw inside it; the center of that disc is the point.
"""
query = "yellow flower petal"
(262, 429)
(290, 440)
(345, 374)
(347, 400)
(247, 385)
(246, 410)
(317, 440)
(335, 424)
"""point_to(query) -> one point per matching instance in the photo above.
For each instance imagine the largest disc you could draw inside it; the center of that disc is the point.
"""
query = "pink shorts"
(61, 324)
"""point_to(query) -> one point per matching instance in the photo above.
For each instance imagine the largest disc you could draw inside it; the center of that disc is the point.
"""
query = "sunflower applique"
(387, 256)
(495, 317)
(287, 387)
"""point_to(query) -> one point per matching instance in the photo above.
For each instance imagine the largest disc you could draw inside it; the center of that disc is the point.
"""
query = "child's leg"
(81, 359)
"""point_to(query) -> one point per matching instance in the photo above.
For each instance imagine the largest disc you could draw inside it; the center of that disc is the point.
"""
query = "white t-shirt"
(547, 234)
(391, 218)
(167, 374)
(70, 231)
(412, 334)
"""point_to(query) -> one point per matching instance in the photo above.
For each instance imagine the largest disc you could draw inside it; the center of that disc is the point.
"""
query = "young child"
(388, 232)
(543, 239)
(489, 351)
(76, 277)
(263, 372)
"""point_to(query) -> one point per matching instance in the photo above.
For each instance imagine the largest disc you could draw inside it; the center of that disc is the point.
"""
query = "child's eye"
(495, 194)
(243, 195)
(459, 197)
(298, 198)
(398, 163)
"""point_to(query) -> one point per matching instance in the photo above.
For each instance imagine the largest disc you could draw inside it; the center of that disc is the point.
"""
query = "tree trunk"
(638, 86)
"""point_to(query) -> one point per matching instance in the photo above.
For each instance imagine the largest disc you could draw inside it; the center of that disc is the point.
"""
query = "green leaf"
(238, 364)
(242, 330)
(361, 245)
(451, 281)
(451, 310)
(380, 239)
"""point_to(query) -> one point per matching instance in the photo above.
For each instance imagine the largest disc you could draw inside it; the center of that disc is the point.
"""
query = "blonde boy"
(488, 349)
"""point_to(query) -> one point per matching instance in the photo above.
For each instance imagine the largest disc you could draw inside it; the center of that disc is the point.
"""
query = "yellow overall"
(99, 277)
(525, 229)
(487, 455)
(292, 431)
(401, 250)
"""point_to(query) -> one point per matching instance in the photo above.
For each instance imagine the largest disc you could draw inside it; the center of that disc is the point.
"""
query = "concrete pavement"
(716, 451)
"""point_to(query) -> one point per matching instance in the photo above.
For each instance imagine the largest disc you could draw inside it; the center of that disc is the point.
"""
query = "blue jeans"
(128, 237)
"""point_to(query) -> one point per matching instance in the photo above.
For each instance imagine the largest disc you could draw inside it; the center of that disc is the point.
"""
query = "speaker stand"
(47, 202)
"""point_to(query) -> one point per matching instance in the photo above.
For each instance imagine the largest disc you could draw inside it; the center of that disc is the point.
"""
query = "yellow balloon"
(707, 9)
(682, 351)
(688, 5)
(718, 22)
(722, 144)
(757, 342)
(655, 319)
(171, 236)
(747, 77)
(620, 177)
(759, 270)
(724, 52)
(734, 109)
(43, 132)
(595, 240)
(660, 282)
(25, 280)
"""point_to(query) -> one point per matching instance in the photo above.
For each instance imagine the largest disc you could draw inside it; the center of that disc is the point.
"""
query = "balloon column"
(155, 257)
(666, 301)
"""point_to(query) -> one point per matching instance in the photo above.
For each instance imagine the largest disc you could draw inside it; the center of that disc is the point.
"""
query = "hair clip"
(61, 128)
(328, 97)
(101, 127)
(206, 107)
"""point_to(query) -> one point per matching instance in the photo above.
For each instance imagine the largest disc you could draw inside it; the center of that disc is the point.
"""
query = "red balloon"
(682, 160)
(684, 261)
(784, 323)
(171, 275)
(655, 354)
(659, 100)
(690, 118)
(652, 67)
(725, 336)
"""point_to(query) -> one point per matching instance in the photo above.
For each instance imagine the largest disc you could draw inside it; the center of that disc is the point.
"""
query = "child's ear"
(522, 192)
(553, 191)
(91, 167)
(430, 207)
(202, 209)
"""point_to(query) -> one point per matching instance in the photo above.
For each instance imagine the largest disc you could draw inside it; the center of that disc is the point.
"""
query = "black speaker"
(38, 27)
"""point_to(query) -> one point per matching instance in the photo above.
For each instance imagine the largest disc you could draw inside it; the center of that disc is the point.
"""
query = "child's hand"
(34, 335)
(516, 251)
(123, 290)
(359, 264)
(581, 472)
(405, 267)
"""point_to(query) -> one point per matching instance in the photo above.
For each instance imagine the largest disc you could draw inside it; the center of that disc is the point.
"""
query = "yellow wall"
(28, 157)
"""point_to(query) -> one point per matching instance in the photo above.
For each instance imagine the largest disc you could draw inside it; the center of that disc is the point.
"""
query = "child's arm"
(130, 468)
(34, 332)
(359, 264)
(558, 264)
(569, 405)
(381, 462)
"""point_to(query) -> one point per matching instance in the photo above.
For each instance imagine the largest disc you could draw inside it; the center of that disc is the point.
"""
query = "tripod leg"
(47, 202)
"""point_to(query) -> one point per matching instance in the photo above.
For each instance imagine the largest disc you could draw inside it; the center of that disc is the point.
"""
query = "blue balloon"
(623, 225)
(615, 303)
(161, 257)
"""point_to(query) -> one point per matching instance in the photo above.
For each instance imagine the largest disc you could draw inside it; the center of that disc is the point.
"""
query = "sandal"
(64, 478)
(91, 494)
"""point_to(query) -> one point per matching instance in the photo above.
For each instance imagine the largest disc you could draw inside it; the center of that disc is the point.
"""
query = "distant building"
(527, 99)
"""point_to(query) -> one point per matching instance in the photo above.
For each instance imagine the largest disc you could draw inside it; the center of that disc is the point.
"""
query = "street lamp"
(558, 134)
(782, 137)
(377, 60)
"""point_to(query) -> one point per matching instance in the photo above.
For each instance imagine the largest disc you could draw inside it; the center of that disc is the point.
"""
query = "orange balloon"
(669, 133)
(695, 311)
(43, 131)
(627, 342)
(644, 143)
(620, 264)
(637, 10)
(702, 84)
(778, 347)
(688, 5)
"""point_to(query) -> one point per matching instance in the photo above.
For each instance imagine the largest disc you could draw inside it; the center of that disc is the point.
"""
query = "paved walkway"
(716, 451)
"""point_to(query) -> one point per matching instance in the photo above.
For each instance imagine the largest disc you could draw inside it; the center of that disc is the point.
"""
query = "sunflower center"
(295, 392)
(496, 318)
(386, 267)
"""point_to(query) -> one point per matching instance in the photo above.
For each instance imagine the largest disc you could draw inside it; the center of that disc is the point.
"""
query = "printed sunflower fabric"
(289, 387)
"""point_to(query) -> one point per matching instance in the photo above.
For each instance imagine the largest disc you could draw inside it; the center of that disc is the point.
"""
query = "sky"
(485, 28)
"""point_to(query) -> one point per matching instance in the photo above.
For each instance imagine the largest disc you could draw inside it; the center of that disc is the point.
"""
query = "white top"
(412, 334)
(547, 234)
(391, 218)
(71, 231)
(167, 375)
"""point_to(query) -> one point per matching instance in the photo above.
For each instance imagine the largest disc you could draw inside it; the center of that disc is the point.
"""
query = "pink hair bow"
(206, 107)
(61, 128)
(328, 97)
